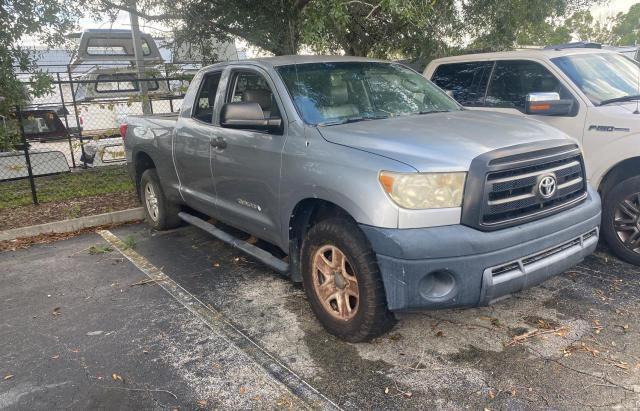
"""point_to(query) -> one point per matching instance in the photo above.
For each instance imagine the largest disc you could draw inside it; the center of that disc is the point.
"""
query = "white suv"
(592, 95)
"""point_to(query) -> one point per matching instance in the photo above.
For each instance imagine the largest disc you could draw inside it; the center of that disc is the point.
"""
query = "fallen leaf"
(56, 311)
(492, 394)
(622, 365)
(55, 357)
(8, 377)
(75, 350)
(439, 334)
(216, 264)
(202, 403)
(117, 377)
(242, 390)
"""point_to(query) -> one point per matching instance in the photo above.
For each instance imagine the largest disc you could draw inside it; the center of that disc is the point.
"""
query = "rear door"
(247, 170)
(192, 146)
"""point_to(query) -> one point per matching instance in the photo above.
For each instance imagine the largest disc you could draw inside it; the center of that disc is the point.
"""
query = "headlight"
(424, 190)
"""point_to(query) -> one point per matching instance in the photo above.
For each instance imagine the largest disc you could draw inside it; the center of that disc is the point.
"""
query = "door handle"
(219, 143)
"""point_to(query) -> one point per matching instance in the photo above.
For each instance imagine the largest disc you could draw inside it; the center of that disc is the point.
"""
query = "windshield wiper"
(620, 99)
(432, 111)
(354, 119)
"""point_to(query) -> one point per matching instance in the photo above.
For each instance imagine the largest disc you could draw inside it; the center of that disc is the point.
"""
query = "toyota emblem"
(547, 186)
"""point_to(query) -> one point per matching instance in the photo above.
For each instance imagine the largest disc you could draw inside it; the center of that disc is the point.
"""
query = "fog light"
(437, 285)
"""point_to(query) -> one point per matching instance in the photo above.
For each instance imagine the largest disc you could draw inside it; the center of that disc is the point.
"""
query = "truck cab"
(592, 95)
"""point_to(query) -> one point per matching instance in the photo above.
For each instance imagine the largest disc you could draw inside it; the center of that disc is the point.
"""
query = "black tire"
(617, 225)
(371, 317)
(166, 215)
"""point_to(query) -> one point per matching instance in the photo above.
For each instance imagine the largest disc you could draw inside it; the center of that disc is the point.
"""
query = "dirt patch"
(65, 209)
(26, 242)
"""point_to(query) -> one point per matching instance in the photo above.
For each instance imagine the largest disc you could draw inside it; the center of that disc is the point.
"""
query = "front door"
(247, 169)
(192, 147)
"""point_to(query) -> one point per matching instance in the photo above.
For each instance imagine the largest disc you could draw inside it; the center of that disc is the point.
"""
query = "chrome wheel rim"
(335, 283)
(626, 222)
(151, 201)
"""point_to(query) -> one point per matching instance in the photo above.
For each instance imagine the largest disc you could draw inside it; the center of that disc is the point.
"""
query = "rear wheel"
(160, 213)
(343, 282)
(621, 220)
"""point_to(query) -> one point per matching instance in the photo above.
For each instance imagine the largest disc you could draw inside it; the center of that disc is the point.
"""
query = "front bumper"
(458, 266)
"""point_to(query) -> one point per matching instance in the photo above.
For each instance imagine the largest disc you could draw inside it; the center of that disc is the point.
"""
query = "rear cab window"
(205, 100)
(467, 81)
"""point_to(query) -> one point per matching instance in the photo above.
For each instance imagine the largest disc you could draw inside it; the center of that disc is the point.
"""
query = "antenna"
(638, 101)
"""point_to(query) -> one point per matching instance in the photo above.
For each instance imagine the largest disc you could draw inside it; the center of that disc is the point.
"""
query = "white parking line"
(220, 325)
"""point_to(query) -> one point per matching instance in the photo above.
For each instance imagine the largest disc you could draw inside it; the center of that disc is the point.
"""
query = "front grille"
(507, 187)
(514, 194)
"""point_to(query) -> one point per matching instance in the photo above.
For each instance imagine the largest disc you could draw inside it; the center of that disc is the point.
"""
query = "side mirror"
(247, 115)
(548, 104)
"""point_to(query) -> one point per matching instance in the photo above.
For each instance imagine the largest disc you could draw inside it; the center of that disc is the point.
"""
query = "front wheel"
(621, 220)
(159, 212)
(343, 282)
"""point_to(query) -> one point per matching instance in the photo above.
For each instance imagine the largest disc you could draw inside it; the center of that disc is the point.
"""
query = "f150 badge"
(608, 128)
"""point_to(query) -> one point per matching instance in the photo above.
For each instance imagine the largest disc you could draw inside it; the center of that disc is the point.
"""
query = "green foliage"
(46, 20)
(389, 28)
(501, 24)
(626, 27)
(9, 133)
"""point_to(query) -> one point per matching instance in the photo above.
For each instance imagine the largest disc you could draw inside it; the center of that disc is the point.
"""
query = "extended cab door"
(505, 89)
(192, 144)
(246, 166)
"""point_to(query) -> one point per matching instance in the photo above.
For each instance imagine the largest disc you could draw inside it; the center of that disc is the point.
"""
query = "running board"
(255, 252)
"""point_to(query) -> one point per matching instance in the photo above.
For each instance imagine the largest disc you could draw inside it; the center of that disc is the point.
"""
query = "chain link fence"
(62, 154)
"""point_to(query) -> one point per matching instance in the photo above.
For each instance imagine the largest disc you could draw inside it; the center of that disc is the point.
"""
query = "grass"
(129, 242)
(82, 183)
(99, 249)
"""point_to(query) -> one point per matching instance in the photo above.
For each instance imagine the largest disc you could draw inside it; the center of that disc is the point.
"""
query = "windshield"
(336, 93)
(602, 76)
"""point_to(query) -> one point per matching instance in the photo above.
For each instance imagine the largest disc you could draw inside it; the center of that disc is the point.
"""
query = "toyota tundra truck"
(370, 185)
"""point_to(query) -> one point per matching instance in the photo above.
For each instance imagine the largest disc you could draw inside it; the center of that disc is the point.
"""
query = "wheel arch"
(303, 216)
(621, 171)
(142, 162)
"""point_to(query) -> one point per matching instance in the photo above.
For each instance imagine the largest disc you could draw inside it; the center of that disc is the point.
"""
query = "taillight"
(123, 130)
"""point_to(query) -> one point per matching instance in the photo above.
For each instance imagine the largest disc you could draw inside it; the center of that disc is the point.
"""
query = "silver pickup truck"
(385, 194)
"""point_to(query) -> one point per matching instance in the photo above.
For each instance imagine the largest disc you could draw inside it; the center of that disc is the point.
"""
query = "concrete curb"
(74, 224)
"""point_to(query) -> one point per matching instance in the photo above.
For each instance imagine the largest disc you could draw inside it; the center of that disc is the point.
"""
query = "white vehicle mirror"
(548, 104)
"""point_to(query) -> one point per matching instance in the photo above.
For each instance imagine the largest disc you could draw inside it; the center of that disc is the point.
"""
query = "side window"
(513, 80)
(249, 86)
(467, 81)
(203, 106)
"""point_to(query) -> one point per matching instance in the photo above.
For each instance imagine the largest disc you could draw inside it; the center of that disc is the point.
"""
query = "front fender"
(313, 168)
(601, 158)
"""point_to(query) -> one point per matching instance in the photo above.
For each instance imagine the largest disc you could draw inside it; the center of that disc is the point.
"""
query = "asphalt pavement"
(133, 318)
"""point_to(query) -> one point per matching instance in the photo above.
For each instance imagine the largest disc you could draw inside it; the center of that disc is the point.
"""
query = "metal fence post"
(75, 109)
(25, 147)
(66, 120)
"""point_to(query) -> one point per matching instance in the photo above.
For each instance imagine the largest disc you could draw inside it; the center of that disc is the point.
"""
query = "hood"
(440, 141)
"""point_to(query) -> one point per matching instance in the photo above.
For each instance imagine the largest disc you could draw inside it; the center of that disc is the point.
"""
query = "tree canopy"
(48, 22)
